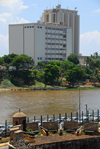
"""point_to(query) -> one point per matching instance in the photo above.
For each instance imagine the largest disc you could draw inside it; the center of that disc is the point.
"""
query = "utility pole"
(79, 104)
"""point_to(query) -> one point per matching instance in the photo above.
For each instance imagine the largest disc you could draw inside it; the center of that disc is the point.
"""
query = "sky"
(24, 11)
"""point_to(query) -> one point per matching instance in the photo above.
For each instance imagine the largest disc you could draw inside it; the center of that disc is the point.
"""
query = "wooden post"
(59, 117)
(98, 115)
(93, 114)
(71, 116)
(41, 120)
(77, 115)
(47, 118)
(53, 117)
(34, 118)
(5, 128)
(65, 116)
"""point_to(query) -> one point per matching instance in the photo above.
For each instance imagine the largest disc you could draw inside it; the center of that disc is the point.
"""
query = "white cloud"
(34, 5)
(90, 43)
(3, 45)
(96, 11)
(19, 21)
(15, 5)
(4, 17)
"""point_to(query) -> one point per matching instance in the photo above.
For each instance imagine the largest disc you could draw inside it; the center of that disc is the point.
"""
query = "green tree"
(19, 60)
(73, 58)
(97, 63)
(96, 55)
(51, 72)
(89, 61)
(40, 64)
(74, 75)
(8, 58)
(1, 60)
(67, 65)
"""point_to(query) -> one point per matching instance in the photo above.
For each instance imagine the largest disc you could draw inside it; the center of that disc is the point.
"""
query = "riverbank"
(82, 87)
(6, 85)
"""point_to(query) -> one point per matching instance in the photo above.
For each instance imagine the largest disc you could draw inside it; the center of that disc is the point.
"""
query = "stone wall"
(93, 126)
(70, 125)
(91, 143)
(50, 125)
(33, 126)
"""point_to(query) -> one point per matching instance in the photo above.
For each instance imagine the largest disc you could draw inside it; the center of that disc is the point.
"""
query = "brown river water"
(37, 103)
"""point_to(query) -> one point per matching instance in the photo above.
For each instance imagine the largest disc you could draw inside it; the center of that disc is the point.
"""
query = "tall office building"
(54, 37)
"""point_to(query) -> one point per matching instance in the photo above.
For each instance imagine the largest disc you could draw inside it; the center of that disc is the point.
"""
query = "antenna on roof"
(75, 8)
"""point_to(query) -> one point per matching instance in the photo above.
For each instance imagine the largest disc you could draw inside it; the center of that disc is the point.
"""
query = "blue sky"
(24, 11)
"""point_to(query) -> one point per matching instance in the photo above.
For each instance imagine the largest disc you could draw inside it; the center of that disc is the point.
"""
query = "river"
(37, 103)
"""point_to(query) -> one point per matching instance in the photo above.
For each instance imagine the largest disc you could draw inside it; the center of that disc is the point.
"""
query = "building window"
(53, 33)
(38, 58)
(64, 54)
(37, 26)
(45, 27)
(64, 36)
(64, 30)
(64, 45)
(27, 26)
(32, 26)
(49, 28)
(40, 26)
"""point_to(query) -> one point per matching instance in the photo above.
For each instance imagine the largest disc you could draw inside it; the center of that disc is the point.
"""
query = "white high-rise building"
(55, 37)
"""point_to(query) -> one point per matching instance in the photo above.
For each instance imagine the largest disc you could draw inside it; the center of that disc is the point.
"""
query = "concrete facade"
(54, 38)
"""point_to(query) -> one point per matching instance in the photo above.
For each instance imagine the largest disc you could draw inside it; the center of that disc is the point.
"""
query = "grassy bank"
(83, 88)
(7, 84)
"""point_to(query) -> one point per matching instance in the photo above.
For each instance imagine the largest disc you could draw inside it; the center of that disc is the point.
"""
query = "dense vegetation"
(52, 72)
